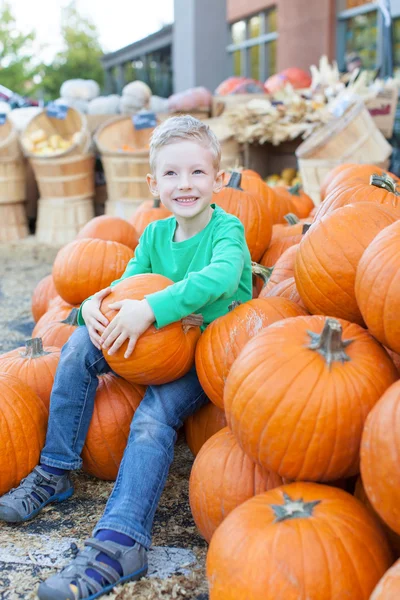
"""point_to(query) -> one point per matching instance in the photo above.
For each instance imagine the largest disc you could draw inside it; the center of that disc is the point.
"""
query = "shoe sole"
(57, 498)
(47, 593)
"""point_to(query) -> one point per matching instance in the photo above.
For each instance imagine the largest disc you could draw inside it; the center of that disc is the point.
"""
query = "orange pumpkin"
(203, 424)
(379, 457)
(222, 478)
(43, 293)
(84, 267)
(160, 355)
(243, 171)
(108, 228)
(301, 540)
(285, 289)
(301, 202)
(143, 217)
(278, 207)
(319, 377)
(327, 258)
(331, 176)
(252, 211)
(23, 421)
(223, 340)
(395, 358)
(284, 239)
(345, 173)
(34, 365)
(54, 330)
(388, 588)
(283, 269)
(115, 404)
(377, 287)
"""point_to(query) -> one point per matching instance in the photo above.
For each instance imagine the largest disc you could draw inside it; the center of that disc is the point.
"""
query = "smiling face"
(185, 179)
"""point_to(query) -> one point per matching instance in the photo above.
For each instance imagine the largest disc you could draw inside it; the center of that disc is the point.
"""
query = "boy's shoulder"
(224, 218)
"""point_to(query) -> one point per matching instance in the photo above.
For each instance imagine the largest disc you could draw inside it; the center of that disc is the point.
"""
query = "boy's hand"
(95, 321)
(134, 317)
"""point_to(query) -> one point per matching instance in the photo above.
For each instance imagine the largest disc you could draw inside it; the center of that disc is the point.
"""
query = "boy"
(203, 250)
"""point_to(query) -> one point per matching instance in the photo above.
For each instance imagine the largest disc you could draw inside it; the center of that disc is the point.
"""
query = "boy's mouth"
(186, 200)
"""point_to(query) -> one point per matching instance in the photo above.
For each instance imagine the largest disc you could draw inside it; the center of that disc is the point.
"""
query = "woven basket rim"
(101, 148)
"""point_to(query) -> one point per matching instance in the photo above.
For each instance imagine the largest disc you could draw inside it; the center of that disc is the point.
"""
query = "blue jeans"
(150, 448)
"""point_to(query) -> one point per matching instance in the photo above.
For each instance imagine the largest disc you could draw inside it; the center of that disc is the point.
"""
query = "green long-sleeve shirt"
(210, 270)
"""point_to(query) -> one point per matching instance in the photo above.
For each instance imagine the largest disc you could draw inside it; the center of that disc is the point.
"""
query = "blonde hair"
(186, 128)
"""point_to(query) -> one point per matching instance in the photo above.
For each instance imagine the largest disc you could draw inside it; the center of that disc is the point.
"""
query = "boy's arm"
(218, 279)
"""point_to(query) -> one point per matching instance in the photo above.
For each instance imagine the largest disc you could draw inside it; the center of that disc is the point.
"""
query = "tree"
(16, 51)
(80, 58)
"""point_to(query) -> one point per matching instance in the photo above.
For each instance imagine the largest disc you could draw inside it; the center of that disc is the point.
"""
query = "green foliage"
(80, 58)
(16, 69)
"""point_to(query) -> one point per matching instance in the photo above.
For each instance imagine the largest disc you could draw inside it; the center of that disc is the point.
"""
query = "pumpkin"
(278, 207)
(203, 424)
(381, 189)
(56, 331)
(222, 478)
(287, 237)
(115, 404)
(329, 177)
(84, 267)
(43, 293)
(377, 287)
(284, 289)
(346, 172)
(141, 218)
(328, 256)
(23, 421)
(228, 85)
(57, 311)
(252, 211)
(388, 588)
(379, 457)
(395, 358)
(320, 377)
(223, 340)
(283, 270)
(108, 228)
(302, 204)
(160, 355)
(34, 365)
(301, 540)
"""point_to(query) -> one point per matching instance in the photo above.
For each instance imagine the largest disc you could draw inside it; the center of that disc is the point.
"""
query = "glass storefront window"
(238, 32)
(255, 27)
(272, 20)
(255, 62)
(271, 55)
(396, 47)
(361, 38)
(237, 63)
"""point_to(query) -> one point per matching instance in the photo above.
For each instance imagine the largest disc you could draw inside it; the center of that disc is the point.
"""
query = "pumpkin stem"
(72, 318)
(329, 343)
(235, 180)
(234, 305)
(293, 509)
(306, 227)
(295, 189)
(291, 219)
(33, 348)
(260, 271)
(156, 203)
(385, 182)
(192, 320)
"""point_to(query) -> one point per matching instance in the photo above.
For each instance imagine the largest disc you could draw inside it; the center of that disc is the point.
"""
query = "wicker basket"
(352, 138)
(71, 177)
(73, 123)
(10, 148)
(13, 225)
(59, 220)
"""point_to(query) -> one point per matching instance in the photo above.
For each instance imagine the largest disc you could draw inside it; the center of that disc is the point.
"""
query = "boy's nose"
(184, 184)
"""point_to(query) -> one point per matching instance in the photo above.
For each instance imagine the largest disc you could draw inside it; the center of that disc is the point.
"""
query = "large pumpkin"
(327, 258)
(298, 395)
(345, 173)
(377, 287)
(43, 293)
(108, 228)
(284, 289)
(331, 176)
(203, 424)
(56, 331)
(301, 540)
(388, 587)
(141, 218)
(293, 234)
(160, 355)
(34, 365)
(283, 269)
(252, 211)
(84, 267)
(222, 478)
(23, 421)
(380, 457)
(114, 406)
(224, 338)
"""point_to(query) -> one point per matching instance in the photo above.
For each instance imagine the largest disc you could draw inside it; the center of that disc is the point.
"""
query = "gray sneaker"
(20, 505)
(72, 583)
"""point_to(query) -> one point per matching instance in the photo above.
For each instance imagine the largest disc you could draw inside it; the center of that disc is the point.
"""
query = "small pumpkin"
(115, 404)
(160, 355)
(301, 202)
(319, 376)
(285, 289)
(301, 540)
(283, 269)
(34, 365)
(222, 478)
(143, 217)
(284, 239)
(23, 421)
(54, 330)
(223, 340)
(203, 424)
(43, 293)
(108, 228)
(85, 266)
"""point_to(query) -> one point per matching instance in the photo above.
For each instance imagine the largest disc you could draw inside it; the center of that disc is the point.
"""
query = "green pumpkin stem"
(291, 219)
(33, 348)
(156, 203)
(385, 182)
(295, 189)
(329, 343)
(293, 509)
(72, 318)
(235, 180)
(260, 271)
(234, 305)
(306, 227)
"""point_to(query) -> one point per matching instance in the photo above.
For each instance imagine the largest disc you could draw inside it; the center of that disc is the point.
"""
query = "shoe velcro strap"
(103, 547)
(106, 570)
(41, 492)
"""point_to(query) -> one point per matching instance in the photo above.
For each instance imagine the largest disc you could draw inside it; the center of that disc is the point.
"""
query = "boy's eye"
(169, 173)
(197, 171)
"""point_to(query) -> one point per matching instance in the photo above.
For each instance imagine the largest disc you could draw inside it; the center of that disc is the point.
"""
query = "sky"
(119, 22)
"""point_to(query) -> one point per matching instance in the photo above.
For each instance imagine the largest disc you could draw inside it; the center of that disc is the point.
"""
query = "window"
(396, 47)
(358, 32)
(254, 47)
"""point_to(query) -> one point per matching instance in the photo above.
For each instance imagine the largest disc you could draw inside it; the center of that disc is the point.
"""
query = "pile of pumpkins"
(303, 383)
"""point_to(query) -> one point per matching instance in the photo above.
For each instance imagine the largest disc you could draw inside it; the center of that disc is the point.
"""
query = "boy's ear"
(219, 181)
(152, 183)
